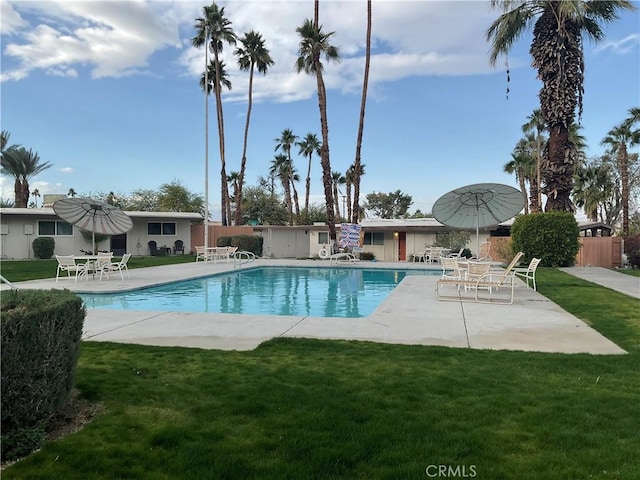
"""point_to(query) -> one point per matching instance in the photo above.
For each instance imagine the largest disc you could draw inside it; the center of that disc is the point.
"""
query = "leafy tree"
(388, 205)
(308, 146)
(315, 43)
(214, 30)
(173, 197)
(144, 200)
(557, 55)
(251, 56)
(260, 204)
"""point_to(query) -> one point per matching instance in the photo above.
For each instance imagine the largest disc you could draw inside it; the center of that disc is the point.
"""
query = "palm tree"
(337, 179)
(214, 29)
(35, 194)
(557, 55)
(22, 165)
(534, 129)
(251, 56)
(72, 193)
(593, 186)
(617, 139)
(280, 168)
(284, 143)
(308, 147)
(522, 165)
(356, 164)
(314, 44)
(233, 178)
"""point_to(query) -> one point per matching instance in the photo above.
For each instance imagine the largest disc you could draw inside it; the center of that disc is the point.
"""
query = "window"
(52, 227)
(323, 238)
(161, 228)
(373, 238)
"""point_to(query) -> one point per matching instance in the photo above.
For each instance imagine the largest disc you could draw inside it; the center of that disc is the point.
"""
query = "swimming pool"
(315, 292)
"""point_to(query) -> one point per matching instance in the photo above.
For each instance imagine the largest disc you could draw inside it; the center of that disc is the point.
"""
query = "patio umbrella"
(478, 205)
(94, 216)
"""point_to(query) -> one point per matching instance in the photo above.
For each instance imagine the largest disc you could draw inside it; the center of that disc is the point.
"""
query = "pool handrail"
(242, 257)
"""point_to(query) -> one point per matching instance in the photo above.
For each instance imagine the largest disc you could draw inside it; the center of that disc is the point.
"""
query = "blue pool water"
(316, 292)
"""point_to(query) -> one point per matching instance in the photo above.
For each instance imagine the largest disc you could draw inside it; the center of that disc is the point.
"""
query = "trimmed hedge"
(551, 236)
(41, 331)
(248, 243)
(632, 249)
(43, 247)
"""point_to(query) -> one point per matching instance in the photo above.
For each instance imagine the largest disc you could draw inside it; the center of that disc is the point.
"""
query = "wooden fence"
(594, 251)
(215, 232)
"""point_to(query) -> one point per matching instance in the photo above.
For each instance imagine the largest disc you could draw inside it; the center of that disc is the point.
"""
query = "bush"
(466, 253)
(552, 237)
(21, 442)
(43, 247)
(248, 243)
(367, 256)
(41, 331)
(632, 249)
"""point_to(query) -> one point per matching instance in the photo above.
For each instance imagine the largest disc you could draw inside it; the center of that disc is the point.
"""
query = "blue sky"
(108, 93)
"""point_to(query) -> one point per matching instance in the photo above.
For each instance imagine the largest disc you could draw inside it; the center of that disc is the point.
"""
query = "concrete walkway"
(409, 315)
(620, 282)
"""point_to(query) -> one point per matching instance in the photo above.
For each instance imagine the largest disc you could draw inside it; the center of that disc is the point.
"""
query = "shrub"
(367, 256)
(41, 331)
(632, 249)
(43, 247)
(21, 442)
(249, 243)
(551, 236)
(466, 253)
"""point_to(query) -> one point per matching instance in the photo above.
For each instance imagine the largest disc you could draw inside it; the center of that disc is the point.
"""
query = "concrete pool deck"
(409, 315)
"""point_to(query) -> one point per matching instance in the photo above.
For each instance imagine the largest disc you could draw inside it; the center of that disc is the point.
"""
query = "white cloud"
(113, 38)
(621, 47)
(67, 170)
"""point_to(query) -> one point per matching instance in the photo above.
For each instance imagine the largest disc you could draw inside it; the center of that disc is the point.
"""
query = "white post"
(206, 136)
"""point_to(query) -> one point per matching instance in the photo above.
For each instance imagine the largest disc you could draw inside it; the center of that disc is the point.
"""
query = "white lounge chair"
(121, 266)
(491, 282)
(529, 273)
(67, 263)
(324, 254)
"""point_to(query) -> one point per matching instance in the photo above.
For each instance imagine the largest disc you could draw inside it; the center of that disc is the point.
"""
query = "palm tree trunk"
(349, 212)
(365, 84)
(307, 190)
(324, 153)
(523, 189)
(559, 172)
(224, 191)
(243, 163)
(623, 161)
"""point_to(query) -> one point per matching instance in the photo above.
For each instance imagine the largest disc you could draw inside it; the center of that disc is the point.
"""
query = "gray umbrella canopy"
(93, 215)
(478, 205)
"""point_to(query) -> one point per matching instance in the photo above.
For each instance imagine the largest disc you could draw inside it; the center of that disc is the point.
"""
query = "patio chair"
(67, 263)
(491, 282)
(153, 248)
(484, 255)
(121, 266)
(450, 268)
(178, 246)
(324, 254)
(202, 254)
(529, 273)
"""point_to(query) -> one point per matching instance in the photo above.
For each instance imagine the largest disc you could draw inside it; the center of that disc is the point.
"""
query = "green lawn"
(311, 409)
(23, 270)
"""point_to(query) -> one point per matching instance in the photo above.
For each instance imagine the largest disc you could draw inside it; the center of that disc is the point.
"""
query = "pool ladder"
(240, 258)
